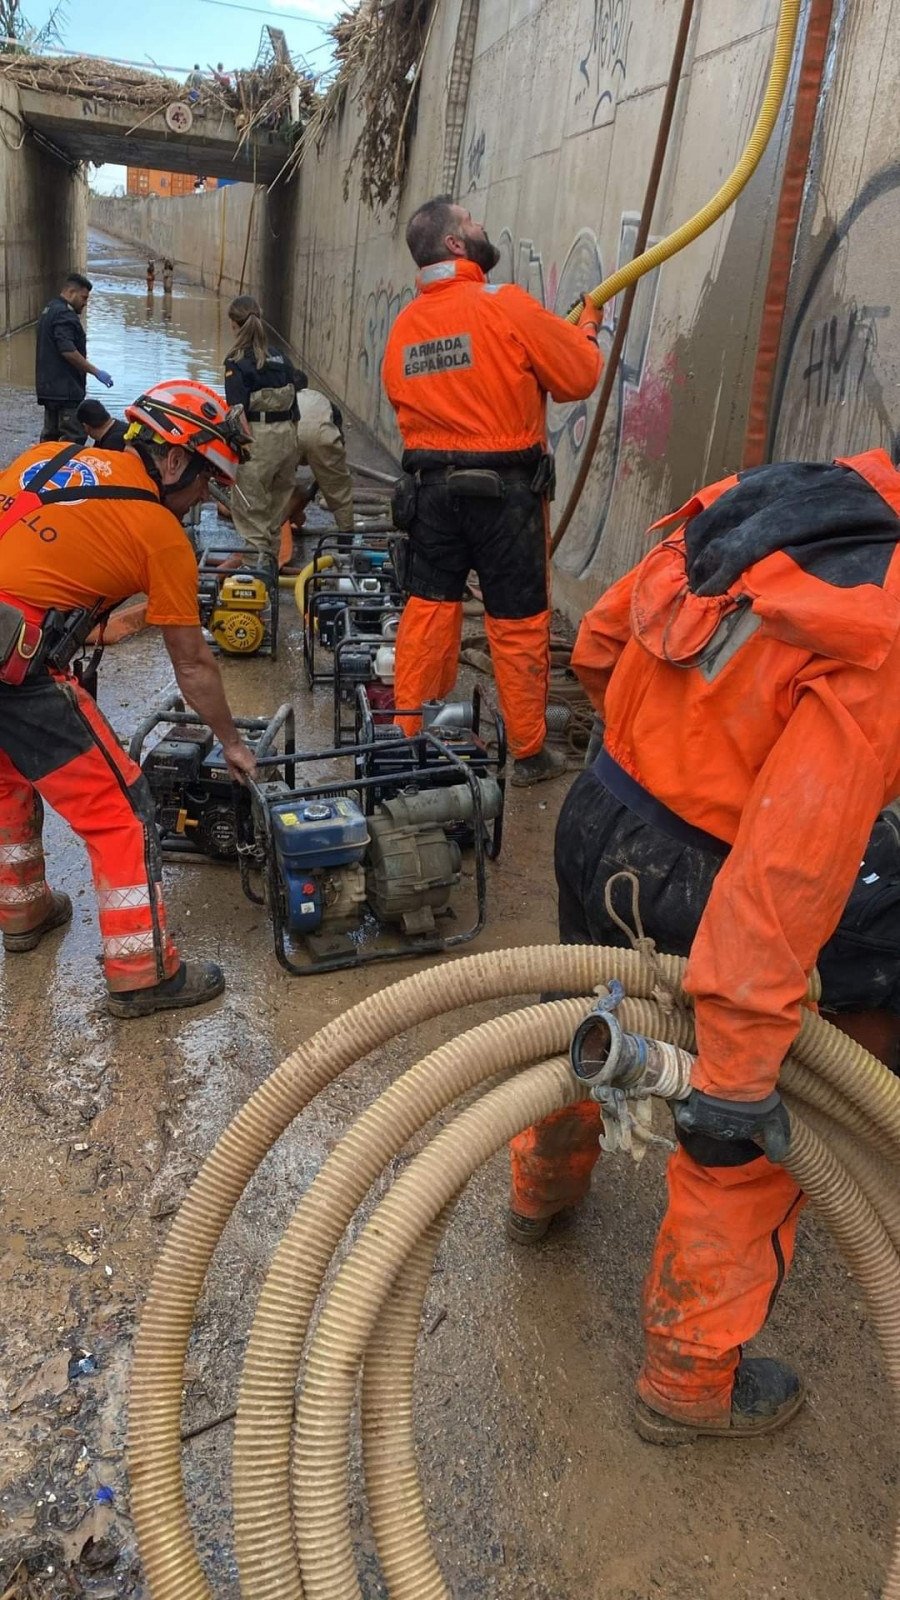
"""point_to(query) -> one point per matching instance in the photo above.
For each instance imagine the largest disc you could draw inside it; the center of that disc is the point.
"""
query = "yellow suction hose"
(731, 188)
(292, 1524)
(298, 584)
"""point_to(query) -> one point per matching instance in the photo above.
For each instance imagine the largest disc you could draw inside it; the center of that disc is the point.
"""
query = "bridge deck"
(101, 130)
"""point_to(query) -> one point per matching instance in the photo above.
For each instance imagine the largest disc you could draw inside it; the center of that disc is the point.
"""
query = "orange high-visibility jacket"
(469, 364)
(761, 702)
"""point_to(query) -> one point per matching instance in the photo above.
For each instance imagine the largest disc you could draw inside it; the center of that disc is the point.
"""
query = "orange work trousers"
(722, 1252)
(56, 746)
(428, 641)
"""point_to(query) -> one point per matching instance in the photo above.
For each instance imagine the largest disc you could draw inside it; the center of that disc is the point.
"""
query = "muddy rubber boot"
(766, 1395)
(193, 984)
(59, 914)
(545, 764)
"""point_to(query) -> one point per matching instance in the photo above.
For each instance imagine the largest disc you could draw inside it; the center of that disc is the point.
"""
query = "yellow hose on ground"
(321, 564)
(704, 218)
(825, 1069)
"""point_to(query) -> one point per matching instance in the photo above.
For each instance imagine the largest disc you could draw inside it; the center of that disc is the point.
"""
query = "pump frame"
(256, 853)
(345, 729)
(316, 585)
(174, 713)
(366, 738)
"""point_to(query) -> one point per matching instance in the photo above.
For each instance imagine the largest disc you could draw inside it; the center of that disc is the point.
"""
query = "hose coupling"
(624, 1070)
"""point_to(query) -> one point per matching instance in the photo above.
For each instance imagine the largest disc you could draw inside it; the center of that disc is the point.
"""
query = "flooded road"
(136, 337)
(537, 1487)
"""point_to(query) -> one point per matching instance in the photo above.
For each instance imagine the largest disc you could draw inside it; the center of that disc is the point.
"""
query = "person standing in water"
(168, 275)
(151, 276)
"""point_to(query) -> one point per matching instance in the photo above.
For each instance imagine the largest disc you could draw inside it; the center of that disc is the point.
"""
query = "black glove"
(765, 1122)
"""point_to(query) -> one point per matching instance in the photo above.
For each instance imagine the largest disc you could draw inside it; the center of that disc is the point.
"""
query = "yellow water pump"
(238, 619)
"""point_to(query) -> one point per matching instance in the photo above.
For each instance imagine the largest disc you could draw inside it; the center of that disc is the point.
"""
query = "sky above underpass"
(173, 34)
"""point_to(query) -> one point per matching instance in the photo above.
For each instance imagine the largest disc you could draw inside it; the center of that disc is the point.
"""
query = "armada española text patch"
(437, 355)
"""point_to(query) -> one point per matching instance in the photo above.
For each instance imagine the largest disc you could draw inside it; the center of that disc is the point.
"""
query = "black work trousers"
(597, 836)
(505, 541)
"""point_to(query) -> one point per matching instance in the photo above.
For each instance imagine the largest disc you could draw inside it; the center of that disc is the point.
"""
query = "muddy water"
(139, 338)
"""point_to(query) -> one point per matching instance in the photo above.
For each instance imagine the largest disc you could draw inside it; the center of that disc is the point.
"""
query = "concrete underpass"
(536, 1485)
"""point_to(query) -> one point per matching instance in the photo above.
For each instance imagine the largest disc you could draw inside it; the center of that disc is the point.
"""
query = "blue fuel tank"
(310, 836)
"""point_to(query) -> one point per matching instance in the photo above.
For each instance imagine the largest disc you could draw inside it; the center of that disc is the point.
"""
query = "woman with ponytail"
(261, 379)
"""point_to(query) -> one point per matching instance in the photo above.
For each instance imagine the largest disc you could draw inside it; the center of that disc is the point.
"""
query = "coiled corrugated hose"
(291, 1512)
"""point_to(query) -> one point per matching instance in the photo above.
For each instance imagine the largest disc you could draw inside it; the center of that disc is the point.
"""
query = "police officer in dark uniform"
(61, 365)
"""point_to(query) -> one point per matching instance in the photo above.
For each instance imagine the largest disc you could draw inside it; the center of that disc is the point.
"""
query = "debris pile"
(89, 78)
(258, 98)
(380, 48)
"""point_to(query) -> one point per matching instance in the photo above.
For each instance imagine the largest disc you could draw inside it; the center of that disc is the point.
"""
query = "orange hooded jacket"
(766, 710)
(469, 364)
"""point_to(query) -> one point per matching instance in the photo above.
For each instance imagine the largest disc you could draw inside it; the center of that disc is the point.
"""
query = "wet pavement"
(538, 1488)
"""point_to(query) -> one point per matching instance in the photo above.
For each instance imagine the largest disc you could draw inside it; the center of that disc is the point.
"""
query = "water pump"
(189, 782)
(239, 608)
(360, 869)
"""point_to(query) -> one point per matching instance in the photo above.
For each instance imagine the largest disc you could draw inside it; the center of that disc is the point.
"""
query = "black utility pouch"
(403, 502)
(12, 621)
(475, 483)
(544, 480)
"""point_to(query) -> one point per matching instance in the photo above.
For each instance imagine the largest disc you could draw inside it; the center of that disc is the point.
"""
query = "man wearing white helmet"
(81, 529)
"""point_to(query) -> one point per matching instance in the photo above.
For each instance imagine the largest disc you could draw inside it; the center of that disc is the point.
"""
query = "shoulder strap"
(99, 491)
(30, 499)
(52, 465)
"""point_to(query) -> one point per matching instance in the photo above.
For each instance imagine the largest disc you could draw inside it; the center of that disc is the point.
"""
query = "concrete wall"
(838, 388)
(561, 118)
(206, 235)
(43, 220)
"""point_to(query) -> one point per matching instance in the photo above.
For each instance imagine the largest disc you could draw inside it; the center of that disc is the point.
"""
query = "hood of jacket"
(809, 547)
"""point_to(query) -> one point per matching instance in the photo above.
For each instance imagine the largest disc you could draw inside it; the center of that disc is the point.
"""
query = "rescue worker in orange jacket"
(748, 675)
(468, 367)
(80, 530)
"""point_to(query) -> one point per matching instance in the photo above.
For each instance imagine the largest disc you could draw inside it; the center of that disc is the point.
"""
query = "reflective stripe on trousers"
(104, 798)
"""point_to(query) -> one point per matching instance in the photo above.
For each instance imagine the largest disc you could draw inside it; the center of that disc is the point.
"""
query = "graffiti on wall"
(639, 411)
(603, 68)
(379, 310)
(837, 384)
(323, 303)
(840, 349)
(475, 153)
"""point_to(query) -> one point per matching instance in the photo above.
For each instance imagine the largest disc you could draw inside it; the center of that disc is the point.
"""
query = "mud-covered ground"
(538, 1488)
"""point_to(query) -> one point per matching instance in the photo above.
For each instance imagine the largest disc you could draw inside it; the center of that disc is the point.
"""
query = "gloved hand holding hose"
(765, 1122)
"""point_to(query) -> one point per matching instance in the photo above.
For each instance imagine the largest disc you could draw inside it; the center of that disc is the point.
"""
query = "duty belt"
(487, 482)
(272, 416)
(650, 810)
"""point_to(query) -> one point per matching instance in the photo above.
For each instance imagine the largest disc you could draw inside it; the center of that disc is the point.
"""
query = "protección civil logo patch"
(71, 475)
